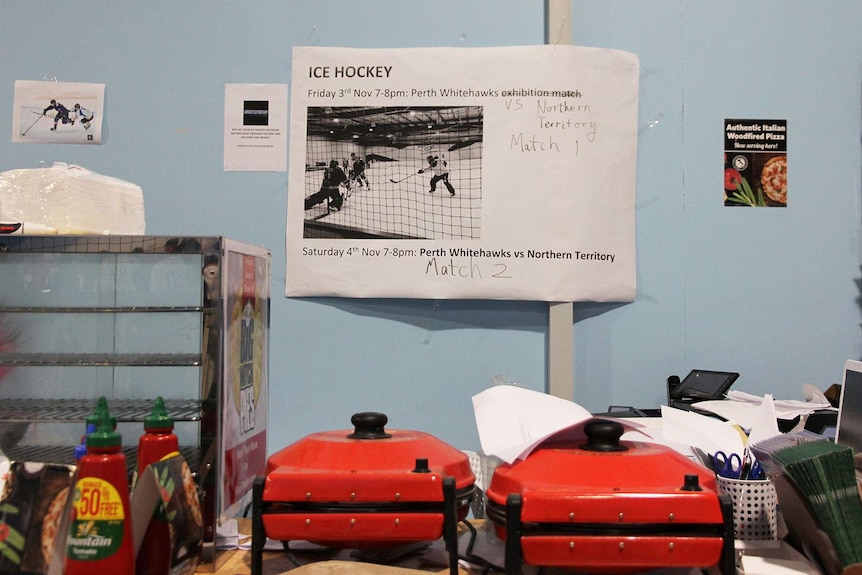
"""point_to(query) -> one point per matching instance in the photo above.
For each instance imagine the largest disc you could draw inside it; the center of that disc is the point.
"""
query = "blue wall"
(771, 293)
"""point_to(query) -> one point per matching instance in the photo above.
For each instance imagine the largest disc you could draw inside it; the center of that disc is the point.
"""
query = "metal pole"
(561, 329)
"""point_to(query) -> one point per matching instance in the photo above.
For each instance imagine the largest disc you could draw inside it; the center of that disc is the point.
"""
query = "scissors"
(735, 467)
(754, 471)
(730, 466)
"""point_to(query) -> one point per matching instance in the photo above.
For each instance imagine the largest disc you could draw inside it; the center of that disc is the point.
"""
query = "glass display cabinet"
(132, 318)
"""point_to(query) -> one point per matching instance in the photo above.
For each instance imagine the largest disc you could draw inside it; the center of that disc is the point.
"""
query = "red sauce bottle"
(101, 408)
(158, 440)
(100, 535)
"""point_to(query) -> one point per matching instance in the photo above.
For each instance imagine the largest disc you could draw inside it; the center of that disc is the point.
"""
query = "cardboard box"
(166, 515)
(34, 517)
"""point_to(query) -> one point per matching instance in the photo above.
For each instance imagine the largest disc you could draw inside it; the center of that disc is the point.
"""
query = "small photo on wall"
(755, 163)
(57, 112)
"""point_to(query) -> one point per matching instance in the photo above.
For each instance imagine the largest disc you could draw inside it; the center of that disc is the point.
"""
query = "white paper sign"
(492, 173)
(255, 127)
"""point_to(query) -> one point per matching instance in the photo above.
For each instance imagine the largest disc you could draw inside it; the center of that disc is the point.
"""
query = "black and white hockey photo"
(399, 172)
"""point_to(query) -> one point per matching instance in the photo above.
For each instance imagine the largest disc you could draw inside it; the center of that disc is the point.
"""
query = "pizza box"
(165, 493)
(34, 516)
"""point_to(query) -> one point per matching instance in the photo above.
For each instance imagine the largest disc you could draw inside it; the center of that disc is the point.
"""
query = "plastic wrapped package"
(72, 200)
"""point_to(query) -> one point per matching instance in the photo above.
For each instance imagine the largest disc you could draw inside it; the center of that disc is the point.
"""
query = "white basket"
(755, 507)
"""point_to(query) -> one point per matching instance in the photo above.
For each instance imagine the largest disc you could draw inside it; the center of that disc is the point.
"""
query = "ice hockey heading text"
(349, 71)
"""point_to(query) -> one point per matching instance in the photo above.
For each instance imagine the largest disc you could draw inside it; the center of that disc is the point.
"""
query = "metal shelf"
(78, 410)
(103, 309)
(187, 285)
(101, 359)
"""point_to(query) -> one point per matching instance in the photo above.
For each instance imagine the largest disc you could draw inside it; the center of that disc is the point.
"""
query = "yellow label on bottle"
(98, 500)
(97, 528)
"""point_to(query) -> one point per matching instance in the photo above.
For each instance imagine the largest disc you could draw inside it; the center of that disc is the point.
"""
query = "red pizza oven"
(363, 488)
(606, 505)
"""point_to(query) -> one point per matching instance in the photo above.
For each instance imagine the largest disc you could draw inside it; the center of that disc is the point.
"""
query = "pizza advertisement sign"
(245, 393)
(755, 163)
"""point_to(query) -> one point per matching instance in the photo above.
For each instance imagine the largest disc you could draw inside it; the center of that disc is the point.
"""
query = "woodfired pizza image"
(755, 179)
(773, 179)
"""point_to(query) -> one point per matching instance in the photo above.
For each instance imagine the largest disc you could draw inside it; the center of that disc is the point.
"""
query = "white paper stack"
(71, 199)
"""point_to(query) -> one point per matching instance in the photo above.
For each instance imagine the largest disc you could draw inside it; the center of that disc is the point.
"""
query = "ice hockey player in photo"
(84, 116)
(348, 184)
(61, 115)
(357, 172)
(333, 178)
(439, 169)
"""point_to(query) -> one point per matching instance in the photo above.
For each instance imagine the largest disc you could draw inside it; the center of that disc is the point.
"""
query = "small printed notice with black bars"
(255, 127)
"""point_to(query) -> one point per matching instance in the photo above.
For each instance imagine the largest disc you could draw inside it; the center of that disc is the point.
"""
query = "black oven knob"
(603, 435)
(691, 483)
(368, 425)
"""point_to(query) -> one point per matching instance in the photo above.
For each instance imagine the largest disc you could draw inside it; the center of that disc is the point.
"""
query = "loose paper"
(701, 431)
(513, 420)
